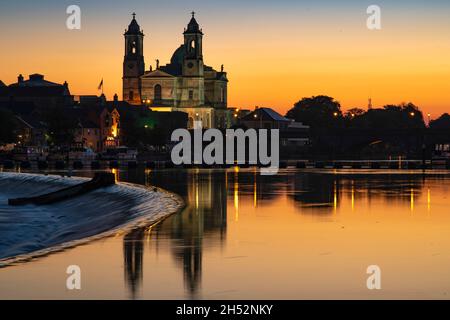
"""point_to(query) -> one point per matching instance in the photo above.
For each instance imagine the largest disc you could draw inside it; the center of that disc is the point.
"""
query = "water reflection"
(133, 244)
(202, 224)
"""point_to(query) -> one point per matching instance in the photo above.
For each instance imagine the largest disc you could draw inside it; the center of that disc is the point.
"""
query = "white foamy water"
(29, 231)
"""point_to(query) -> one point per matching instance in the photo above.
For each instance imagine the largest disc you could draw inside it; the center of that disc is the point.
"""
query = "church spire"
(193, 26)
(133, 27)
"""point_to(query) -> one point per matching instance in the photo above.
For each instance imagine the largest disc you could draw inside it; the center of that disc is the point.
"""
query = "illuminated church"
(185, 84)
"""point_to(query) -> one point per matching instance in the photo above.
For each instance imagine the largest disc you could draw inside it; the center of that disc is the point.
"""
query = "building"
(293, 135)
(185, 84)
(98, 124)
(43, 93)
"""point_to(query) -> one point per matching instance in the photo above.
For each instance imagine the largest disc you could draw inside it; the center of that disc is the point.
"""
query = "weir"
(100, 180)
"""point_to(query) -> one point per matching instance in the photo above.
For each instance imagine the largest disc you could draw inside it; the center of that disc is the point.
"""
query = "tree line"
(326, 112)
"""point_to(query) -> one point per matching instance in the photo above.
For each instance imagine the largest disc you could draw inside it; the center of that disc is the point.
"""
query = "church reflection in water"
(202, 224)
(203, 219)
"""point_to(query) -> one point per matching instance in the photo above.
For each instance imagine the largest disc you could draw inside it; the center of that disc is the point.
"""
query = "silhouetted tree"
(60, 126)
(317, 112)
(443, 122)
(403, 116)
(354, 112)
(139, 131)
(8, 125)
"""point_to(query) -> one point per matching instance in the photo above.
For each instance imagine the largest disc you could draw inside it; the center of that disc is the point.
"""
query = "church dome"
(178, 56)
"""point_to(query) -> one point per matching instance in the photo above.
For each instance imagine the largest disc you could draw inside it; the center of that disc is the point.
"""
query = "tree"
(354, 112)
(8, 125)
(60, 126)
(317, 112)
(443, 122)
(139, 130)
(403, 116)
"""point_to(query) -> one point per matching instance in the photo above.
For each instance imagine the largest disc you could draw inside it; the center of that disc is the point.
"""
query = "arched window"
(158, 93)
(192, 45)
(132, 47)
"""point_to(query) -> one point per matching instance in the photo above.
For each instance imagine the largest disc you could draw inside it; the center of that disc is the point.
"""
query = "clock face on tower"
(130, 66)
(190, 65)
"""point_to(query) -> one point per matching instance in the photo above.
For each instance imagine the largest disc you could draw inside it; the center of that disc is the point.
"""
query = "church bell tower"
(193, 61)
(133, 63)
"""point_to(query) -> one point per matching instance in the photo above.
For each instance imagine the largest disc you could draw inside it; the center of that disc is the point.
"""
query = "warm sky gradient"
(275, 52)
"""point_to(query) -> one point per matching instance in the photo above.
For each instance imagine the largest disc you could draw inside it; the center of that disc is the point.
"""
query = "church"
(185, 84)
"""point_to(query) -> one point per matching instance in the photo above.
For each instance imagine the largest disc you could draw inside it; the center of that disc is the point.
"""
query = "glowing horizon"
(274, 53)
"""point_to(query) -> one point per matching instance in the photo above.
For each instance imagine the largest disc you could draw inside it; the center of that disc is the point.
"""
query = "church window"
(131, 95)
(192, 45)
(133, 47)
(158, 92)
(191, 95)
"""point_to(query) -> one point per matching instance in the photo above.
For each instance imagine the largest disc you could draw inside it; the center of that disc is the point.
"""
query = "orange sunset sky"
(275, 53)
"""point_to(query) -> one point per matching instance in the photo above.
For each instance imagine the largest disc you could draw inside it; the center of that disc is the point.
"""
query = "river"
(302, 234)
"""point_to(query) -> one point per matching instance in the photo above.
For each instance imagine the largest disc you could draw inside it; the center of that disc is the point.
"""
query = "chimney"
(20, 78)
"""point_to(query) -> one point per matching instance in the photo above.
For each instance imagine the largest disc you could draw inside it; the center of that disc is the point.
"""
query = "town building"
(43, 93)
(292, 134)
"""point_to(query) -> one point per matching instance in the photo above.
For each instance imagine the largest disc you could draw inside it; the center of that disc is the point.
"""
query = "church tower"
(193, 58)
(133, 62)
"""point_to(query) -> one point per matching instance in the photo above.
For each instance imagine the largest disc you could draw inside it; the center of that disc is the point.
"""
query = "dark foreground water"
(299, 235)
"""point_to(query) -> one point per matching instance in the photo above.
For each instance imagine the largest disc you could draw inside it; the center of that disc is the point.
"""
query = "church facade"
(185, 84)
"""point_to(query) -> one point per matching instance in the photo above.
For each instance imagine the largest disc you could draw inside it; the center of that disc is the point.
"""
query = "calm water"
(297, 235)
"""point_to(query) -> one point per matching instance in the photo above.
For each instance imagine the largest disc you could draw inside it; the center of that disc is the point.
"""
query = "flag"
(100, 86)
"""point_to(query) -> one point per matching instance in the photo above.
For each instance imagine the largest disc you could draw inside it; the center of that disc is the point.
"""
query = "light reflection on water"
(294, 235)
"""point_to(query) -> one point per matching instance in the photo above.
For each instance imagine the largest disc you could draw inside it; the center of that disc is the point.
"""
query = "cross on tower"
(193, 14)
(134, 15)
